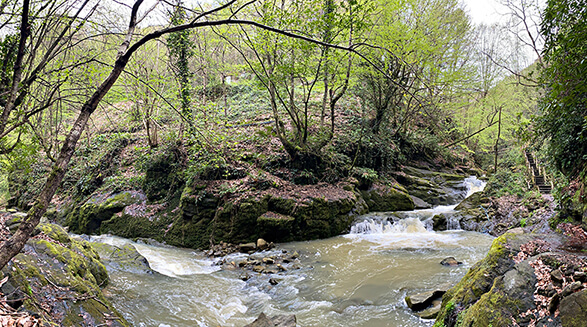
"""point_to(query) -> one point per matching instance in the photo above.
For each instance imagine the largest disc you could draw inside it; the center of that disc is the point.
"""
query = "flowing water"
(358, 279)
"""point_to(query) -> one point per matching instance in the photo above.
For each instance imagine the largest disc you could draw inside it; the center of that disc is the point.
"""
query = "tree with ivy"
(181, 51)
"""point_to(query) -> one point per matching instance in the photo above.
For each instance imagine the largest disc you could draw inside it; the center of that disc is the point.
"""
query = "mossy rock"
(88, 218)
(197, 202)
(55, 232)
(164, 174)
(60, 278)
(204, 218)
(573, 310)
(496, 290)
(476, 200)
(475, 219)
(321, 217)
(509, 297)
(274, 226)
(386, 198)
(433, 175)
(222, 172)
(125, 258)
(436, 188)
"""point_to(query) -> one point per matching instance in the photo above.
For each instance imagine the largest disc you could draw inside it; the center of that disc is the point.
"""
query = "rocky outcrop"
(240, 208)
(380, 197)
(59, 278)
(434, 188)
(513, 285)
(88, 217)
(163, 174)
(205, 216)
(302, 213)
(473, 213)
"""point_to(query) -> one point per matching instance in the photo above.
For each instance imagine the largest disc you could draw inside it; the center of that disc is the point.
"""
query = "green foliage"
(511, 177)
(523, 222)
(563, 121)
(421, 144)
(424, 66)
(507, 182)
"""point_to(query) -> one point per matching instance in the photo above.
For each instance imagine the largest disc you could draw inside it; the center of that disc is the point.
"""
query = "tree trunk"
(14, 245)
(497, 140)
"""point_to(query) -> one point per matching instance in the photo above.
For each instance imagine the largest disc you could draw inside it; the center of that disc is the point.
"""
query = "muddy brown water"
(358, 279)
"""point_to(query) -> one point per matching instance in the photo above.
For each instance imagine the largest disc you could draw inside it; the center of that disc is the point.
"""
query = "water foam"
(413, 228)
(169, 262)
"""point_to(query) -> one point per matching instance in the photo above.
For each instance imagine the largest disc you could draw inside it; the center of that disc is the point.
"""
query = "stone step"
(545, 189)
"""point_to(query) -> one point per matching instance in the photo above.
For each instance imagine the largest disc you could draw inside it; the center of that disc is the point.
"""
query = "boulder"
(432, 311)
(419, 203)
(125, 258)
(573, 310)
(580, 276)
(557, 277)
(475, 219)
(247, 247)
(387, 198)
(60, 278)
(436, 188)
(571, 288)
(450, 261)
(421, 301)
(262, 244)
(277, 321)
(500, 288)
(475, 200)
(439, 222)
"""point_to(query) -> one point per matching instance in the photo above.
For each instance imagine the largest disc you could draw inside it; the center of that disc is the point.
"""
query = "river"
(358, 279)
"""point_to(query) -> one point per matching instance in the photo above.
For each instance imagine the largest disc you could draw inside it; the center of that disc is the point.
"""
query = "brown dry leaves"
(10, 318)
(576, 236)
(530, 249)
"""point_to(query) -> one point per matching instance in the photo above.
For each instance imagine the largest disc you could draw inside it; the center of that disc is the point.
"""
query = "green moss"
(273, 226)
(386, 198)
(494, 307)
(55, 232)
(478, 280)
(164, 174)
(73, 271)
(88, 218)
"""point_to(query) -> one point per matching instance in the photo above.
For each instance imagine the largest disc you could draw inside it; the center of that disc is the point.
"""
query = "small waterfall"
(417, 221)
(371, 226)
(452, 223)
(474, 185)
(407, 225)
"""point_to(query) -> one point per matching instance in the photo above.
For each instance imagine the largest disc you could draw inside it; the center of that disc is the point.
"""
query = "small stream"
(358, 279)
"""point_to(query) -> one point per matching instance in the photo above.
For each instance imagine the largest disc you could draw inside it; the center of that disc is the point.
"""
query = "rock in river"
(421, 301)
(450, 261)
(277, 321)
